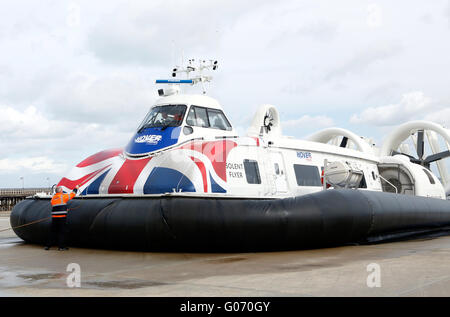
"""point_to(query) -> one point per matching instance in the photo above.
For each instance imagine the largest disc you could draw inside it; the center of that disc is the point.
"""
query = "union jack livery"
(173, 151)
(195, 166)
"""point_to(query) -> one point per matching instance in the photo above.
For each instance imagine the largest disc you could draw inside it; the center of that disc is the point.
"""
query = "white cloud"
(33, 165)
(28, 123)
(149, 32)
(447, 12)
(370, 55)
(121, 97)
(440, 116)
(29, 133)
(308, 122)
(413, 105)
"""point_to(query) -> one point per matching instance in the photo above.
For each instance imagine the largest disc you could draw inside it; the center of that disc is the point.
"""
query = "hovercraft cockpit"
(176, 119)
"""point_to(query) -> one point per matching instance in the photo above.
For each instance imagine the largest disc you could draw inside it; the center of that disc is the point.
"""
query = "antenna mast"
(194, 67)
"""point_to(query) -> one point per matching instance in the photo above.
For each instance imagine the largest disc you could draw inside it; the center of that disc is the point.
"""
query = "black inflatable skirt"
(175, 223)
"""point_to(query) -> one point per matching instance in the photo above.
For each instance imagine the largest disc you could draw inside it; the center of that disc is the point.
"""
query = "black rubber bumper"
(327, 218)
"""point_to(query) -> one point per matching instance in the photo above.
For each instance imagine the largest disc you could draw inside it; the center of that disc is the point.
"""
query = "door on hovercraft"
(279, 172)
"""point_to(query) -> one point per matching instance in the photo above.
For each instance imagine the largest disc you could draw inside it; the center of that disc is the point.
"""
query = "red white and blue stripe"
(196, 166)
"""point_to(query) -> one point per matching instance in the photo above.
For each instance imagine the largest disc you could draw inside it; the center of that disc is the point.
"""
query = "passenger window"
(430, 178)
(197, 117)
(217, 120)
(252, 172)
(191, 120)
(207, 118)
(307, 175)
(363, 183)
(277, 168)
(202, 117)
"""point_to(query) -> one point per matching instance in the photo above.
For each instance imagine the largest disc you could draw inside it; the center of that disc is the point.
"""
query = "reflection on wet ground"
(40, 276)
(11, 278)
(226, 260)
(8, 242)
(125, 284)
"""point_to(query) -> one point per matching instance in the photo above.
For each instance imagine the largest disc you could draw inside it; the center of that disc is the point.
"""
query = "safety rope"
(27, 224)
(33, 222)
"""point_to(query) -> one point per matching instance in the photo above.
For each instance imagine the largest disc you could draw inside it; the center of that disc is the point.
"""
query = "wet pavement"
(412, 268)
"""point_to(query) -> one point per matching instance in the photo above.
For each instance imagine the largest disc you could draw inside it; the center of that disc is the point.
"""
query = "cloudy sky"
(76, 77)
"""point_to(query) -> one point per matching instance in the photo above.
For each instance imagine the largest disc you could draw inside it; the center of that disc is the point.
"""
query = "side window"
(218, 120)
(277, 168)
(191, 120)
(202, 117)
(307, 175)
(207, 118)
(198, 117)
(252, 172)
(363, 183)
(430, 178)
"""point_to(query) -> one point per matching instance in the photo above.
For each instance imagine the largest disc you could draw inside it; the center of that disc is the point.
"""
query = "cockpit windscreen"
(163, 117)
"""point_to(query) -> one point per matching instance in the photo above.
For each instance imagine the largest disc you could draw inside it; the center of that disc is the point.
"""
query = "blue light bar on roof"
(174, 81)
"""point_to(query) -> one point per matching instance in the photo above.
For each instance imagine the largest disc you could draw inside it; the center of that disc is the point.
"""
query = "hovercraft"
(186, 181)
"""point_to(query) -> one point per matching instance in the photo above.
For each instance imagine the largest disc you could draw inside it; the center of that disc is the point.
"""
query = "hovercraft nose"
(149, 140)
